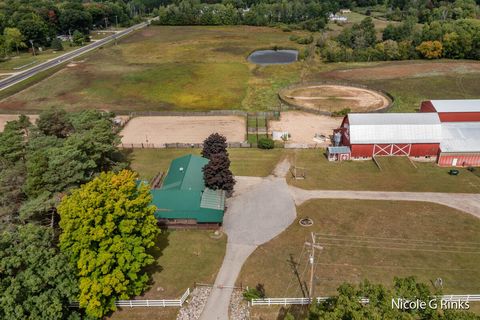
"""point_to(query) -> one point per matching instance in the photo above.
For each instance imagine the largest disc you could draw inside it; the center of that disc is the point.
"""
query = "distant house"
(183, 198)
(336, 17)
(343, 11)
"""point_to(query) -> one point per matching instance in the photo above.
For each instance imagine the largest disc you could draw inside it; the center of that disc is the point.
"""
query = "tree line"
(454, 39)
(37, 23)
(307, 14)
(75, 226)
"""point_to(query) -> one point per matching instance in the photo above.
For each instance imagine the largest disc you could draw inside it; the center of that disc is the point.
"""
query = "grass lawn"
(170, 68)
(397, 174)
(244, 162)
(182, 258)
(373, 240)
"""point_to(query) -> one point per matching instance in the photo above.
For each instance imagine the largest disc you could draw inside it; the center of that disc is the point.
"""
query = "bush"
(57, 44)
(340, 113)
(266, 143)
(305, 40)
(293, 37)
(303, 54)
(254, 293)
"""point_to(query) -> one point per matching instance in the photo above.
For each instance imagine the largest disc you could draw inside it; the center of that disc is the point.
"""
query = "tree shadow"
(157, 251)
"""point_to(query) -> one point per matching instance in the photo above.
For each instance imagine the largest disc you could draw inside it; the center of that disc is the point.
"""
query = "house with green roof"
(183, 197)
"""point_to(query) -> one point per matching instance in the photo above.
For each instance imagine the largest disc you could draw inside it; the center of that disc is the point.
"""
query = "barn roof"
(464, 105)
(379, 128)
(460, 137)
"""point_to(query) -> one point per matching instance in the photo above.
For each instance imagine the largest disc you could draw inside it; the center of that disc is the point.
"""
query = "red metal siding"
(424, 149)
(415, 150)
(463, 159)
(362, 150)
(459, 116)
(427, 106)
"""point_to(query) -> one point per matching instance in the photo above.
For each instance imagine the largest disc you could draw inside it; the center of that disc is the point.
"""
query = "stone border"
(385, 94)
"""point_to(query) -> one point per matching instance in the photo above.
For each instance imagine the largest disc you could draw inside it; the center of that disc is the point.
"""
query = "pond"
(266, 57)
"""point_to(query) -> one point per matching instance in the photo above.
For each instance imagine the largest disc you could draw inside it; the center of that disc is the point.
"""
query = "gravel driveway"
(261, 212)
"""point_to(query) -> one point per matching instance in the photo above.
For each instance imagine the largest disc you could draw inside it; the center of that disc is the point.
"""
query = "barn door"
(382, 150)
(454, 162)
(401, 149)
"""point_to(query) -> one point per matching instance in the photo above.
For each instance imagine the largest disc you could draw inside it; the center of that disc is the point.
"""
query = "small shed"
(183, 198)
(338, 153)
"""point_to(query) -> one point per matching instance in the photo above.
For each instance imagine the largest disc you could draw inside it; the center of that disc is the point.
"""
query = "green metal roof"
(186, 173)
(184, 195)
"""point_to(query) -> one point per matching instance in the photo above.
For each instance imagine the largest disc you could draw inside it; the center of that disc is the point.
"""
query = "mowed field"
(374, 240)
(168, 68)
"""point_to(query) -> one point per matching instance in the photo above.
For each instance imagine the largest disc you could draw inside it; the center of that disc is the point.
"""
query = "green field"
(194, 68)
(182, 258)
(244, 162)
(374, 240)
(397, 174)
(169, 68)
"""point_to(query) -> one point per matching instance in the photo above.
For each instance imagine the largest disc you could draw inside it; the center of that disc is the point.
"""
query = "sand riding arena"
(328, 98)
(157, 131)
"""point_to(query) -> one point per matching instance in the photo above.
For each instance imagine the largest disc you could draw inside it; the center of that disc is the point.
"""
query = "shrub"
(342, 112)
(254, 293)
(303, 54)
(57, 44)
(305, 40)
(266, 143)
(293, 37)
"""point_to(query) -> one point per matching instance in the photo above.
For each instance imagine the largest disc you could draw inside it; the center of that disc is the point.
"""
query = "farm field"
(168, 68)
(397, 174)
(245, 162)
(182, 258)
(411, 82)
(376, 240)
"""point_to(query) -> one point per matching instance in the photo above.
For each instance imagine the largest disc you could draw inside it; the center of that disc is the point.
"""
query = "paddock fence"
(306, 301)
(178, 145)
(147, 303)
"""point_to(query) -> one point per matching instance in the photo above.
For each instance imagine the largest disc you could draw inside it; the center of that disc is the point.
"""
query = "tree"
(266, 143)
(430, 49)
(107, 226)
(214, 144)
(347, 305)
(217, 174)
(14, 38)
(54, 122)
(37, 281)
(57, 44)
(78, 38)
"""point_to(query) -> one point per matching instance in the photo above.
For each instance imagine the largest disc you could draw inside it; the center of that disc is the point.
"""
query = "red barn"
(453, 110)
(460, 146)
(391, 134)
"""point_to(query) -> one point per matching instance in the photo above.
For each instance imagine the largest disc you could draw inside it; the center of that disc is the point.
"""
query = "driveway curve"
(255, 216)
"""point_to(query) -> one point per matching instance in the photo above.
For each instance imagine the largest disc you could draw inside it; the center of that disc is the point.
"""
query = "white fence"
(305, 301)
(149, 303)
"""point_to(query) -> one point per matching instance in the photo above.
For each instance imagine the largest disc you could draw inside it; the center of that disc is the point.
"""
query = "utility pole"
(116, 21)
(106, 22)
(313, 246)
(33, 47)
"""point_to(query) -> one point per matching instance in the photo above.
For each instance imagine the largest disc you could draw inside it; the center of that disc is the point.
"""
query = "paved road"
(20, 76)
(260, 212)
(467, 202)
